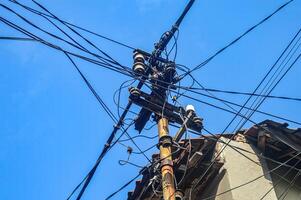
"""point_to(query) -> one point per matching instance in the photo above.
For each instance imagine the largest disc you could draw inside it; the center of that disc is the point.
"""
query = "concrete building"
(262, 162)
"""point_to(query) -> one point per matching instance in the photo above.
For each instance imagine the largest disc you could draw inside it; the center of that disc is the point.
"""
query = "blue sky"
(52, 128)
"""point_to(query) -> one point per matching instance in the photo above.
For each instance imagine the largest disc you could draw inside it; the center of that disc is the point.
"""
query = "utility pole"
(156, 70)
(161, 74)
(165, 142)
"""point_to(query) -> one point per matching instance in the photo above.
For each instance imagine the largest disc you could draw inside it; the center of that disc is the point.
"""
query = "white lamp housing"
(189, 108)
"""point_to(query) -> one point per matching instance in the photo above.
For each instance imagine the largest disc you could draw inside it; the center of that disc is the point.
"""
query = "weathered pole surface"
(168, 185)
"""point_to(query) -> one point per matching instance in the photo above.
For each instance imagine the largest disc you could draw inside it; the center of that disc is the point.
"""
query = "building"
(262, 162)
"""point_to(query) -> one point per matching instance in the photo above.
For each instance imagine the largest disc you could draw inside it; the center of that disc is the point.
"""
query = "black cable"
(236, 104)
(255, 179)
(73, 25)
(118, 91)
(140, 173)
(105, 60)
(248, 118)
(247, 94)
(237, 39)
(262, 81)
(101, 102)
(109, 141)
(13, 38)
(87, 178)
(147, 149)
(282, 97)
(125, 185)
(222, 100)
(206, 89)
(77, 33)
(286, 191)
(232, 103)
(127, 72)
(279, 181)
(272, 81)
(16, 38)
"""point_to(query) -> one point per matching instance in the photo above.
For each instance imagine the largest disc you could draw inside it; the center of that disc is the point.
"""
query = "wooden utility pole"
(161, 73)
(165, 143)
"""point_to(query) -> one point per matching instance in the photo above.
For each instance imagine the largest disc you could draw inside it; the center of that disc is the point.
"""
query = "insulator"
(138, 57)
(139, 68)
(170, 71)
(198, 121)
(135, 92)
(139, 63)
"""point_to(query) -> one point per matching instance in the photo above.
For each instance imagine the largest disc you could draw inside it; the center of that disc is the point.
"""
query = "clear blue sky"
(51, 127)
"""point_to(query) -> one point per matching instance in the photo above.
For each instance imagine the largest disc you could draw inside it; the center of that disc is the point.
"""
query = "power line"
(126, 72)
(252, 180)
(77, 46)
(74, 31)
(101, 102)
(191, 89)
(241, 106)
(16, 38)
(119, 123)
(125, 185)
(108, 145)
(228, 102)
(247, 94)
(237, 39)
(73, 25)
(271, 84)
(248, 118)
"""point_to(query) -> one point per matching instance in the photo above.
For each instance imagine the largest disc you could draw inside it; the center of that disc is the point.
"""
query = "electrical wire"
(140, 173)
(127, 72)
(237, 105)
(73, 25)
(118, 91)
(16, 38)
(252, 180)
(248, 118)
(248, 94)
(229, 111)
(108, 144)
(78, 34)
(272, 83)
(175, 54)
(279, 181)
(237, 39)
(77, 46)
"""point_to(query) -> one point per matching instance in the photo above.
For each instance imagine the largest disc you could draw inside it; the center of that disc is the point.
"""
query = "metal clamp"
(165, 162)
(165, 141)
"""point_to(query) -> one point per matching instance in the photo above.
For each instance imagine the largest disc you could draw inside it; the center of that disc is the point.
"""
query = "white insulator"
(139, 68)
(135, 92)
(138, 57)
(190, 108)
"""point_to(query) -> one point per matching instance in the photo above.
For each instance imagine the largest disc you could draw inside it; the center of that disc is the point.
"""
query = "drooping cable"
(247, 94)
(73, 25)
(32, 36)
(76, 45)
(78, 34)
(237, 39)
(248, 118)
